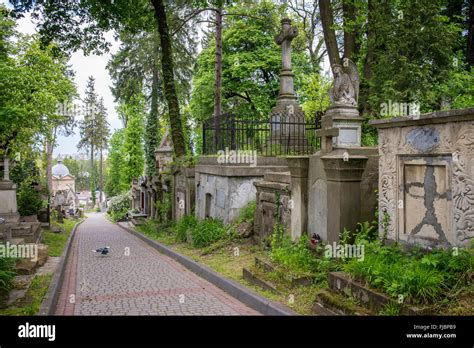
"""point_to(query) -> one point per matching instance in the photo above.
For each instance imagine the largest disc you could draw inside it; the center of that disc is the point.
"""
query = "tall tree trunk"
(218, 75)
(218, 66)
(168, 78)
(327, 21)
(350, 33)
(92, 181)
(369, 58)
(470, 35)
(151, 138)
(101, 178)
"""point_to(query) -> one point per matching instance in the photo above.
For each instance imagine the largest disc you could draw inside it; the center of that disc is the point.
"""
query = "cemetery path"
(134, 279)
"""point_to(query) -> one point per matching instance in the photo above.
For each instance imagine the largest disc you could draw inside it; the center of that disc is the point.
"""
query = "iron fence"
(282, 135)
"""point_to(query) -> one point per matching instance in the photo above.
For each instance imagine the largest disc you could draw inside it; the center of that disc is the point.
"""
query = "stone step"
(17, 241)
(30, 231)
(292, 281)
(330, 303)
(253, 278)
(280, 177)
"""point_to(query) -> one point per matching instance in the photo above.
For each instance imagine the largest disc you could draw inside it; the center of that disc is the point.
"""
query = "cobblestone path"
(134, 279)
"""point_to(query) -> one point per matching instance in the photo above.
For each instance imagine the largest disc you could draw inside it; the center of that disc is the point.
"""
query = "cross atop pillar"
(327, 132)
(287, 34)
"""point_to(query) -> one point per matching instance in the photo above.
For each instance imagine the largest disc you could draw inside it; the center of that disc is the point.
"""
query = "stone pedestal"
(183, 188)
(298, 166)
(8, 204)
(343, 178)
(347, 120)
(273, 197)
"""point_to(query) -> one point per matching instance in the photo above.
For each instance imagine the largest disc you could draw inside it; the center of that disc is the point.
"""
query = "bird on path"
(103, 251)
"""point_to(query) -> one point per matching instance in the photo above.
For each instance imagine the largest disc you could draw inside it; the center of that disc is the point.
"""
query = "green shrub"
(29, 199)
(183, 226)
(207, 232)
(247, 213)
(163, 207)
(119, 206)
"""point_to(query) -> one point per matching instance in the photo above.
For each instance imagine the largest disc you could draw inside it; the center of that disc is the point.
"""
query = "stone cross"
(327, 132)
(287, 34)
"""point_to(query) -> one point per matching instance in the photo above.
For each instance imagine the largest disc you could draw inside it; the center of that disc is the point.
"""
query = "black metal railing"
(282, 135)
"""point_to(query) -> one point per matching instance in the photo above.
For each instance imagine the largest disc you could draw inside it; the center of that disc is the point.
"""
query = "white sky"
(83, 67)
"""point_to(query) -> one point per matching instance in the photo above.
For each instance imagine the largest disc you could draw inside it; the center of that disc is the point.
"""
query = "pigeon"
(103, 251)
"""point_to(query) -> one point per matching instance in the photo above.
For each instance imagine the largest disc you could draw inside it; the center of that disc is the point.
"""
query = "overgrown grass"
(184, 226)
(31, 303)
(206, 232)
(420, 278)
(200, 233)
(6, 275)
(57, 241)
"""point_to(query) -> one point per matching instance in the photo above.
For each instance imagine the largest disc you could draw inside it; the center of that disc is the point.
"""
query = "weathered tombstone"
(12, 227)
(273, 197)
(183, 192)
(342, 175)
(136, 194)
(8, 204)
(426, 185)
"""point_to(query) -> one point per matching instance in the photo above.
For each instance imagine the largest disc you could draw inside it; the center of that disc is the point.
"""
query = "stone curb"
(51, 298)
(236, 290)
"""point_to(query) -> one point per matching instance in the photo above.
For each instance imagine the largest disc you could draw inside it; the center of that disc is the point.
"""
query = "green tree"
(34, 81)
(251, 65)
(133, 140)
(90, 134)
(116, 165)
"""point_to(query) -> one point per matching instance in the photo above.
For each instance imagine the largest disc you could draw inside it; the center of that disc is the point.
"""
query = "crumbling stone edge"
(52, 295)
(236, 290)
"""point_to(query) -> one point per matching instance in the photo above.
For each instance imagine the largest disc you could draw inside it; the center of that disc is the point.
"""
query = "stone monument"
(342, 176)
(344, 95)
(8, 204)
(426, 186)
(287, 117)
(12, 228)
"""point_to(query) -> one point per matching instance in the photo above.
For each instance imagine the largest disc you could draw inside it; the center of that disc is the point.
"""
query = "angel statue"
(345, 89)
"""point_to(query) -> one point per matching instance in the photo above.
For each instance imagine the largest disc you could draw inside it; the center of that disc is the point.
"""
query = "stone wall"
(222, 190)
(427, 176)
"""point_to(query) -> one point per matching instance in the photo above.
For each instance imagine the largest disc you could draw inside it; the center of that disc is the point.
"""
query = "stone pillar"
(343, 176)
(8, 203)
(298, 166)
(347, 120)
(288, 33)
(6, 169)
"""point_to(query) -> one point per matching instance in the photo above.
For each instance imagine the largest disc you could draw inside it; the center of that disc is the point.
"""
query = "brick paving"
(134, 279)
